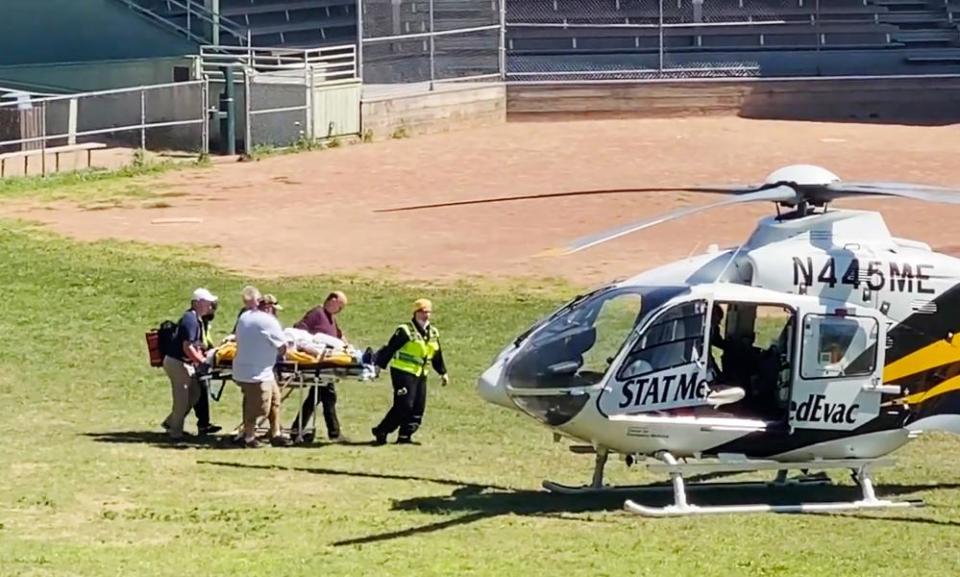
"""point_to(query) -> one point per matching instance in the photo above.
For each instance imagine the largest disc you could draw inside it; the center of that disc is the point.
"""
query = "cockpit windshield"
(574, 348)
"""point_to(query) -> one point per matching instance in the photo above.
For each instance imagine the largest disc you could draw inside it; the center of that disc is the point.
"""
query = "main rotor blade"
(732, 189)
(775, 194)
(902, 189)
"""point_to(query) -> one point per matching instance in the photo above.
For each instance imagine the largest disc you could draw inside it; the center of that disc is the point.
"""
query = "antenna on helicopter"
(802, 187)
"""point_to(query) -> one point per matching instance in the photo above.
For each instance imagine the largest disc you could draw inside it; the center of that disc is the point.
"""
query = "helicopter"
(821, 342)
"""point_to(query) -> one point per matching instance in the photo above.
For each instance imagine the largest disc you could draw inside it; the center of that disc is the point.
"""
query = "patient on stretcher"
(307, 350)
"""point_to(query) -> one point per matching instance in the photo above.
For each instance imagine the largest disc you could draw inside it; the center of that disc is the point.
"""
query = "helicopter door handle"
(884, 389)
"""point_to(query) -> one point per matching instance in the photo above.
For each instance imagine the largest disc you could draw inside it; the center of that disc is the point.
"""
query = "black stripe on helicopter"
(920, 330)
(875, 275)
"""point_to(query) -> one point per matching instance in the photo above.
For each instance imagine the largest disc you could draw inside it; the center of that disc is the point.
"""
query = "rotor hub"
(802, 175)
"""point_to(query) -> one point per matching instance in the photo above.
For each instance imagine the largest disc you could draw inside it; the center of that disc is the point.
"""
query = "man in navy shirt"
(181, 363)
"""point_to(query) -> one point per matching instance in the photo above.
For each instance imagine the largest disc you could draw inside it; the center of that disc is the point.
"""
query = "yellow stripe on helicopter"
(951, 384)
(931, 356)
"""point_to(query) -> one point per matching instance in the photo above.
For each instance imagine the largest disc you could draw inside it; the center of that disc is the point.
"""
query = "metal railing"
(326, 64)
(431, 40)
(141, 109)
(598, 39)
(280, 86)
(198, 16)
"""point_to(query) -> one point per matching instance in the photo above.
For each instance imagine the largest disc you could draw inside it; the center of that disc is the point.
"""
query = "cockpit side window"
(674, 339)
(576, 346)
(613, 323)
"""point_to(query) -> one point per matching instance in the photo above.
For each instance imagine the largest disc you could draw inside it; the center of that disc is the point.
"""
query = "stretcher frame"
(290, 376)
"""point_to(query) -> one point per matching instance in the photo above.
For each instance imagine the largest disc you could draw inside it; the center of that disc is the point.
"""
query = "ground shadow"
(160, 439)
(462, 485)
(478, 501)
(478, 505)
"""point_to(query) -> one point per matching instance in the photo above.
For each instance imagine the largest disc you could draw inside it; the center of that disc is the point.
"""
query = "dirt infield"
(314, 213)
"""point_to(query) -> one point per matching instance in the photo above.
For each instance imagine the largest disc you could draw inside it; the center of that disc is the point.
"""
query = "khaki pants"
(260, 400)
(186, 391)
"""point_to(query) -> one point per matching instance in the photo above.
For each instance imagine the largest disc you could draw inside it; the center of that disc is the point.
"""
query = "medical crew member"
(413, 345)
(181, 363)
(202, 408)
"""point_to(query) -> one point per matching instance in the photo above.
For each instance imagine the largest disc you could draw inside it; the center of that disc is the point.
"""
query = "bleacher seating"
(761, 24)
(289, 23)
(295, 22)
(926, 29)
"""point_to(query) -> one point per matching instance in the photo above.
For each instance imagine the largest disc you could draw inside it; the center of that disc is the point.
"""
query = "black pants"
(327, 396)
(202, 408)
(409, 402)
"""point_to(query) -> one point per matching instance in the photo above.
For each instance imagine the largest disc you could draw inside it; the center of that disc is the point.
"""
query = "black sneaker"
(209, 429)
(379, 438)
(305, 438)
(405, 441)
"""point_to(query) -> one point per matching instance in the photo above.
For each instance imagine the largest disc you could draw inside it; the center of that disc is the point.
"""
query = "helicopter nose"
(490, 389)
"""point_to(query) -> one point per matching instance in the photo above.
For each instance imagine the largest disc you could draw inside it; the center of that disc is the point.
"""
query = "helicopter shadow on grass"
(477, 501)
(477, 504)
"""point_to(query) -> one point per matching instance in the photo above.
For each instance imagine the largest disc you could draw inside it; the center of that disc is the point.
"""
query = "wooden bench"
(56, 151)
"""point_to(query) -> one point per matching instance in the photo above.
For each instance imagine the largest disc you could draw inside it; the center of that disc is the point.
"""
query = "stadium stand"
(834, 24)
(278, 23)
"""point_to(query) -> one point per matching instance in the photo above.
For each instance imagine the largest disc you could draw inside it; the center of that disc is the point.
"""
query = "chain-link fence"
(619, 39)
(277, 113)
(411, 41)
(37, 133)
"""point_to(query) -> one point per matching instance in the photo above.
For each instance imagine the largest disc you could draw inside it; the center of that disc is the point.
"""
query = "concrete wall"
(449, 107)
(894, 100)
(93, 76)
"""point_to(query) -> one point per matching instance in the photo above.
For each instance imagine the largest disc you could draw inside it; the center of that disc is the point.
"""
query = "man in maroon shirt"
(321, 319)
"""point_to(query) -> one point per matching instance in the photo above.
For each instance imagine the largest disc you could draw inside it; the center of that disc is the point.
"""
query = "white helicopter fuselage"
(863, 359)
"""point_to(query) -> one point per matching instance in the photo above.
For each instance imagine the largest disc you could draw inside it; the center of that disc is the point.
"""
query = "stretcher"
(299, 371)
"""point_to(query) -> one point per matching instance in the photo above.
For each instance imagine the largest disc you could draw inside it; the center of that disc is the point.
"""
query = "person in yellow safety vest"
(412, 347)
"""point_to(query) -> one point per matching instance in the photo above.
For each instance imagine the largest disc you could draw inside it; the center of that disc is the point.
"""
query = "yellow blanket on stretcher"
(227, 351)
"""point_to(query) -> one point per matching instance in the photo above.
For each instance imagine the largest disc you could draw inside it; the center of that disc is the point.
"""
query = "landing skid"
(861, 469)
(798, 481)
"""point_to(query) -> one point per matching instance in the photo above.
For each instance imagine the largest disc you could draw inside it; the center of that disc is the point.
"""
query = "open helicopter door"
(838, 379)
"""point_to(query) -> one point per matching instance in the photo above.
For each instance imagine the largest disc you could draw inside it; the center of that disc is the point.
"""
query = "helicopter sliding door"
(837, 384)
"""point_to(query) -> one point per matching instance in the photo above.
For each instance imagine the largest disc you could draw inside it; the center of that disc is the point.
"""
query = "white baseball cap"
(202, 294)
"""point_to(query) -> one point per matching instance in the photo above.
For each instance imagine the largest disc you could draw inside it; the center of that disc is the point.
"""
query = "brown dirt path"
(313, 213)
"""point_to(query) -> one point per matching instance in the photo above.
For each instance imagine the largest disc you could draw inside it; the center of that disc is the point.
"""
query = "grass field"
(91, 488)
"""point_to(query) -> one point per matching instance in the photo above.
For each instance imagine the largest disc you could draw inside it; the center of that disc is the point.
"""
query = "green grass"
(95, 185)
(90, 488)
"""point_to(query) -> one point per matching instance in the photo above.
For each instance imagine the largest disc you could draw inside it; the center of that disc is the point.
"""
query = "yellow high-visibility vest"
(414, 355)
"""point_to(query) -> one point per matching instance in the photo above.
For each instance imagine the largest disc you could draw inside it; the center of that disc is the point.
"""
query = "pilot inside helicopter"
(739, 358)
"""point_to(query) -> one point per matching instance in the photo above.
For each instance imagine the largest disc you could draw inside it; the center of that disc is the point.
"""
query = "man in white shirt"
(260, 341)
